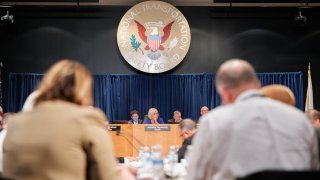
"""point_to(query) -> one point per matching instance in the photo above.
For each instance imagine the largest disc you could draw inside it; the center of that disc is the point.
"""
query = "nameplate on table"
(157, 128)
(114, 128)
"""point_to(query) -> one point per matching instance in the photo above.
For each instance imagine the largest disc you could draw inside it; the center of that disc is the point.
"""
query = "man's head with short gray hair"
(204, 110)
(187, 124)
(233, 77)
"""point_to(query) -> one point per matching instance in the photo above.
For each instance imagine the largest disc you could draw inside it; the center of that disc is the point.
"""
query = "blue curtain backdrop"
(20, 86)
(117, 95)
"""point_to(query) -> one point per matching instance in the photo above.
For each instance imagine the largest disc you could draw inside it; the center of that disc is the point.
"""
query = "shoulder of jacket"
(91, 113)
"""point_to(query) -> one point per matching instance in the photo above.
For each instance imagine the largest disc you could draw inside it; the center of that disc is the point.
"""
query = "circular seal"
(153, 36)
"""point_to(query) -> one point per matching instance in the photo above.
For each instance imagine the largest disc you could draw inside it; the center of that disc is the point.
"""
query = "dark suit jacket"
(171, 121)
(131, 121)
(184, 146)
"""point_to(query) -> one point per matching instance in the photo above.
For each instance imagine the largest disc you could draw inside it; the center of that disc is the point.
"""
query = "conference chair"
(282, 175)
(5, 178)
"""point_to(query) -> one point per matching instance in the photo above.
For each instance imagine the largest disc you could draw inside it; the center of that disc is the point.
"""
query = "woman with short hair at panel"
(63, 137)
(153, 117)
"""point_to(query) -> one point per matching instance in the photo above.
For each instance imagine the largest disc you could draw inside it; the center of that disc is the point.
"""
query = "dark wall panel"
(64, 1)
(266, 1)
(269, 38)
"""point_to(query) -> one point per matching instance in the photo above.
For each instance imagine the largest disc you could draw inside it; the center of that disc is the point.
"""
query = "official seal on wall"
(153, 36)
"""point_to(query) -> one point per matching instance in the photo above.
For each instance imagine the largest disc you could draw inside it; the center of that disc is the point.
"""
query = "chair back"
(283, 175)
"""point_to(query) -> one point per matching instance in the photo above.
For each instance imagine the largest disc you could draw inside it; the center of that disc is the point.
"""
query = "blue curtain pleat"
(101, 93)
(20, 86)
(118, 94)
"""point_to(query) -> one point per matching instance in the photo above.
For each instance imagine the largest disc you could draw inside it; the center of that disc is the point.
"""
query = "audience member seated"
(204, 110)
(187, 131)
(3, 132)
(135, 118)
(250, 133)
(176, 118)
(153, 117)
(279, 92)
(314, 117)
(63, 137)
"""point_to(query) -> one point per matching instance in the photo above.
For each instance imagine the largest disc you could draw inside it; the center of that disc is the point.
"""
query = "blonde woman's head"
(153, 113)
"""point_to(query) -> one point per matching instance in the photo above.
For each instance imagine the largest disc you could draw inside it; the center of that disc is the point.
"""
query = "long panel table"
(128, 138)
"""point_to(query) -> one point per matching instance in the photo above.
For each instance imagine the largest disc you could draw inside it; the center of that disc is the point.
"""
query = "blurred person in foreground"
(250, 133)
(284, 94)
(3, 132)
(279, 92)
(187, 131)
(62, 137)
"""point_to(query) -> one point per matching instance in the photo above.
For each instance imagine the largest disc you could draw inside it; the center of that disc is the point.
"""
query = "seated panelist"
(135, 118)
(153, 117)
(176, 118)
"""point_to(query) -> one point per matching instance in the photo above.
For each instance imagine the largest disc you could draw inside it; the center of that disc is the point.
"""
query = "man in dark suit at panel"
(135, 118)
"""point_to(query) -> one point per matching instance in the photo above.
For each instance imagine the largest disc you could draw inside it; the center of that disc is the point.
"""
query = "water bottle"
(141, 154)
(146, 169)
(157, 162)
(172, 159)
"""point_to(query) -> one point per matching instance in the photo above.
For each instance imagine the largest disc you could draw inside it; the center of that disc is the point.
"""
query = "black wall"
(268, 37)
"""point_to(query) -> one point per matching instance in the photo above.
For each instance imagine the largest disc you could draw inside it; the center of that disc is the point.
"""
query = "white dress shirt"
(255, 133)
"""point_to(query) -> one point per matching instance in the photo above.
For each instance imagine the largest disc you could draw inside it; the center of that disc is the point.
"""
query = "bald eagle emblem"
(153, 40)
